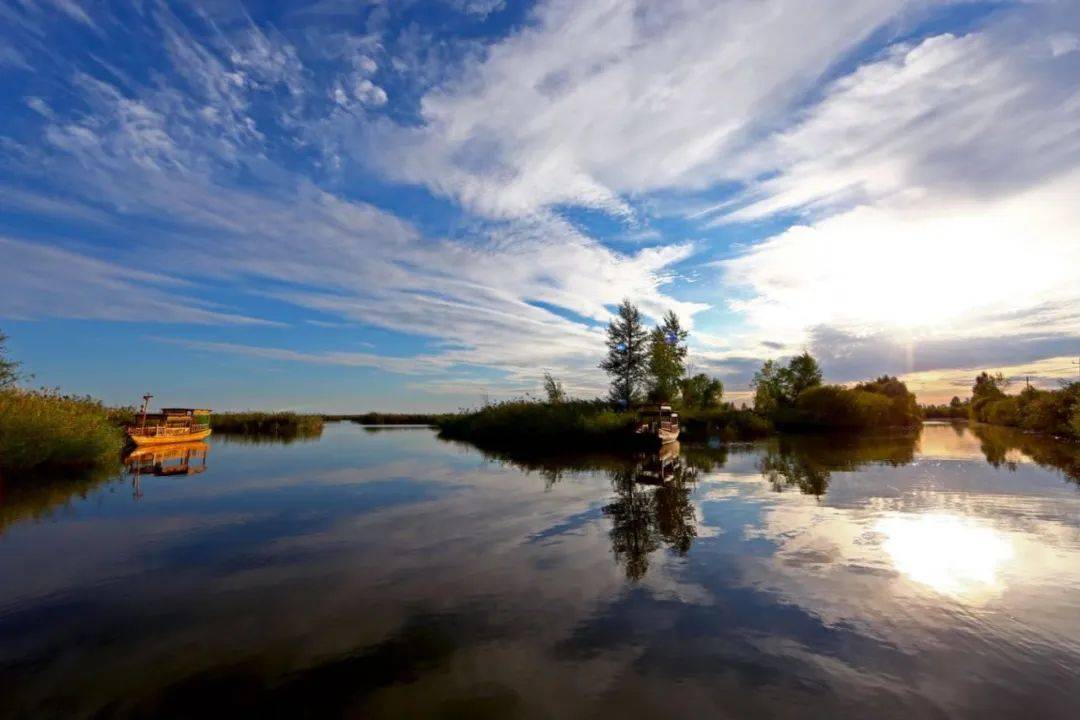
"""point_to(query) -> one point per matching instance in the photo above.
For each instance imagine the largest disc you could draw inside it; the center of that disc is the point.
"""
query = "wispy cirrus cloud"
(39, 281)
(591, 102)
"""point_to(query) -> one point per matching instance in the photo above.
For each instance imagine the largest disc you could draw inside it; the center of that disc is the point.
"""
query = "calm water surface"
(389, 574)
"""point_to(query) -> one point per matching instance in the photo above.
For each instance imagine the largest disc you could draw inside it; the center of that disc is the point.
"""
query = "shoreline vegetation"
(1048, 412)
(649, 367)
(44, 431)
(267, 424)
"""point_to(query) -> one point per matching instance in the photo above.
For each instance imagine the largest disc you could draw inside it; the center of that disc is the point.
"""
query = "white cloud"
(38, 281)
(938, 185)
(593, 101)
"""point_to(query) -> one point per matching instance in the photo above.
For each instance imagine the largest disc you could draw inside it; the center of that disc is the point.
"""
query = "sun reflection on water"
(952, 554)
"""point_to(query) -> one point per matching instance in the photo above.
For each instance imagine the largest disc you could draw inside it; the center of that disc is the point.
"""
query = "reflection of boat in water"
(187, 458)
(171, 425)
(661, 466)
(661, 422)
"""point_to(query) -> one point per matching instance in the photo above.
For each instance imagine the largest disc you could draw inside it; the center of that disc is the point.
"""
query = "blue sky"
(413, 205)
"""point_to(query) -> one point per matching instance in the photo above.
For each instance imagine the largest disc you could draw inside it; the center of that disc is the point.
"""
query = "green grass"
(573, 424)
(725, 422)
(41, 430)
(274, 424)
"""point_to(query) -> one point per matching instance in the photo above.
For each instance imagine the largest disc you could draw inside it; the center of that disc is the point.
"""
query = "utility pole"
(1076, 362)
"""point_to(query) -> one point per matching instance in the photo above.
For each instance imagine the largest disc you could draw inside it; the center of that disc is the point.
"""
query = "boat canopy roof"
(659, 409)
(185, 411)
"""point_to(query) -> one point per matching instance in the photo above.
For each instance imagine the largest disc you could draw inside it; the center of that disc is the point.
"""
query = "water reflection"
(951, 554)
(394, 575)
(165, 461)
(806, 462)
(651, 508)
(1008, 447)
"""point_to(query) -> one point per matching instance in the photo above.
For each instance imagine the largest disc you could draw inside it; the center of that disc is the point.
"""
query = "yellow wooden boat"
(171, 425)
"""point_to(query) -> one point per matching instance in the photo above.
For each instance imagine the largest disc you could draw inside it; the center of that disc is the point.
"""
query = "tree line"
(650, 365)
(1054, 412)
(794, 396)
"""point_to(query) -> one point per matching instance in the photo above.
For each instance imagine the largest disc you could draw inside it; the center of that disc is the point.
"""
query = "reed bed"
(276, 424)
(42, 430)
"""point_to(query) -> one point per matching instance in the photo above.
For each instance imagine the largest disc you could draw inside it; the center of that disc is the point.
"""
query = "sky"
(350, 206)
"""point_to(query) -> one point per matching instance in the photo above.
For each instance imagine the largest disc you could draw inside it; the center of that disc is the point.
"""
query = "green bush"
(885, 402)
(1005, 411)
(42, 430)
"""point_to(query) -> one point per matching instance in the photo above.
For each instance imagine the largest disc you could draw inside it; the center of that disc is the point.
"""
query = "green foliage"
(769, 392)
(667, 358)
(723, 421)
(802, 373)
(275, 424)
(42, 431)
(777, 386)
(956, 409)
(885, 402)
(626, 361)
(553, 388)
(701, 391)
(1054, 412)
(574, 423)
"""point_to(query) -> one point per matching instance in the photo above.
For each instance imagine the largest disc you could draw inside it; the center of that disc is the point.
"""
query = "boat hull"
(143, 440)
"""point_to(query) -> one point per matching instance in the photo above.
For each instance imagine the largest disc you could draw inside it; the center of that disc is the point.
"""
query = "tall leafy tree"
(768, 388)
(667, 358)
(701, 391)
(802, 373)
(627, 358)
(9, 369)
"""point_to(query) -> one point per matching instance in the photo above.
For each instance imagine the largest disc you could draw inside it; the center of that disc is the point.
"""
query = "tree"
(667, 358)
(9, 369)
(554, 389)
(626, 361)
(768, 388)
(775, 385)
(802, 373)
(701, 391)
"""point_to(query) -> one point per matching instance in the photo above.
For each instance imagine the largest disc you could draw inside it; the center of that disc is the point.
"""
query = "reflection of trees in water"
(997, 442)
(807, 462)
(38, 497)
(651, 509)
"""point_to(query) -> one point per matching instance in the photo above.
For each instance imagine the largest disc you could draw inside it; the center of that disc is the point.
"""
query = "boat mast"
(145, 403)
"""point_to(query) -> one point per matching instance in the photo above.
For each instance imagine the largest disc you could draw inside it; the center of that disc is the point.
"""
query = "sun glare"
(951, 554)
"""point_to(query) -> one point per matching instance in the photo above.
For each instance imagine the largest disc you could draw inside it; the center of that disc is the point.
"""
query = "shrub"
(1005, 411)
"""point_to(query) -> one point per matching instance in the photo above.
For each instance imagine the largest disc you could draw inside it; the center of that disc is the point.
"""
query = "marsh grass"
(573, 424)
(271, 424)
(42, 430)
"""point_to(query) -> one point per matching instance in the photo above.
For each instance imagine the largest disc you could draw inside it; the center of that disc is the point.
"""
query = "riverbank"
(43, 431)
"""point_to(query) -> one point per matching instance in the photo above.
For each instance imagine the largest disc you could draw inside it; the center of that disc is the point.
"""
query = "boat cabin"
(659, 417)
(180, 420)
(660, 422)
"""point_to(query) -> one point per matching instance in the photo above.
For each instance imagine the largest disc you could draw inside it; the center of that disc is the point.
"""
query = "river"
(390, 574)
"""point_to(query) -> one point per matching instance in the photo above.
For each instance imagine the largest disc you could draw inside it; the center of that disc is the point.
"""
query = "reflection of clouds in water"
(954, 555)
